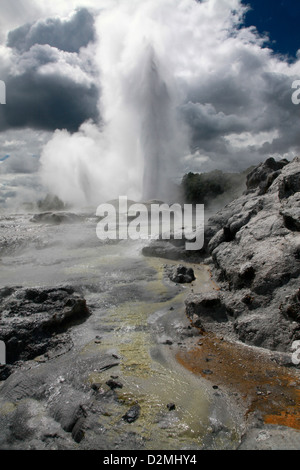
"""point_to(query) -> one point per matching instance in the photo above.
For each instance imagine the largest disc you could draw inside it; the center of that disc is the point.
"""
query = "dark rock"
(69, 411)
(262, 176)
(255, 256)
(291, 307)
(205, 308)
(34, 322)
(132, 414)
(181, 274)
(114, 384)
(168, 250)
(168, 342)
(78, 430)
(171, 406)
(289, 184)
(96, 386)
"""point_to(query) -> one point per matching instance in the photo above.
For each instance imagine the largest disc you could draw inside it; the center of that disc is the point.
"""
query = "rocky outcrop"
(254, 249)
(35, 321)
(56, 218)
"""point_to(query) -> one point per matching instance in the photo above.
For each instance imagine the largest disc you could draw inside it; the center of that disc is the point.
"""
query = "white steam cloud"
(164, 68)
(142, 134)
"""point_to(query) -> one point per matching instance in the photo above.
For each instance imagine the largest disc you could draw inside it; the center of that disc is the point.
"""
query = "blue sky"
(280, 19)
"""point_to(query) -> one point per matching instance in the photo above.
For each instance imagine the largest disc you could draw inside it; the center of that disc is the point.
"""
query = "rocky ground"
(254, 248)
(121, 352)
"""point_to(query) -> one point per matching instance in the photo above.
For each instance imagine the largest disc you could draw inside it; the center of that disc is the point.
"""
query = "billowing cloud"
(50, 81)
(67, 35)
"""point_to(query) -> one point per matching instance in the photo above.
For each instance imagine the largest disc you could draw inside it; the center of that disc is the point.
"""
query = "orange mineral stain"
(263, 384)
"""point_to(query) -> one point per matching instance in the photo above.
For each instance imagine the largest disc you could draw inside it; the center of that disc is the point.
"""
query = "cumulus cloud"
(50, 79)
(67, 35)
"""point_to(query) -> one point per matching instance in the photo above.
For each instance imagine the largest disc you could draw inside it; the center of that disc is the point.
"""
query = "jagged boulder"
(181, 274)
(262, 176)
(35, 321)
(254, 245)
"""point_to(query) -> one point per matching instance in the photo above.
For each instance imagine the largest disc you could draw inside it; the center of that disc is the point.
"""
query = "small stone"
(168, 341)
(132, 414)
(171, 406)
(114, 384)
(96, 386)
(78, 430)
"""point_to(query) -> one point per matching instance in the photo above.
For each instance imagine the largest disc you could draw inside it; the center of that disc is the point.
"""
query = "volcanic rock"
(254, 248)
(34, 321)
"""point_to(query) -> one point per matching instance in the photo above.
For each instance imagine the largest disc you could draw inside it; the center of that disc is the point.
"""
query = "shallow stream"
(138, 318)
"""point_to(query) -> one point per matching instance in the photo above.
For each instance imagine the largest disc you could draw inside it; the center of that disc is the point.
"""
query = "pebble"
(132, 414)
(171, 406)
(114, 384)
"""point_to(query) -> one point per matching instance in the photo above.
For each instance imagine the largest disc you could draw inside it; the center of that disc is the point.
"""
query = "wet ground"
(194, 390)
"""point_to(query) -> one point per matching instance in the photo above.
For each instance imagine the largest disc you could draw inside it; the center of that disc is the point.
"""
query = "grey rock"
(114, 384)
(132, 414)
(181, 274)
(206, 308)
(168, 250)
(262, 176)
(254, 245)
(35, 321)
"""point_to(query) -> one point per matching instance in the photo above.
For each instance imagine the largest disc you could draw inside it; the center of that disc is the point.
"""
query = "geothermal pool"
(137, 318)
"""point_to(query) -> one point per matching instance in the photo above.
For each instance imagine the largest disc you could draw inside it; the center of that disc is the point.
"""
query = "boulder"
(35, 321)
(205, 308)
(181, 274)
(254, 247)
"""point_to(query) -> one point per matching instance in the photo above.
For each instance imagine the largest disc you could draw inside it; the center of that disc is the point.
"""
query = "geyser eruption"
(140, 134)
(147, 54)
(159, 127)
(140, 96)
